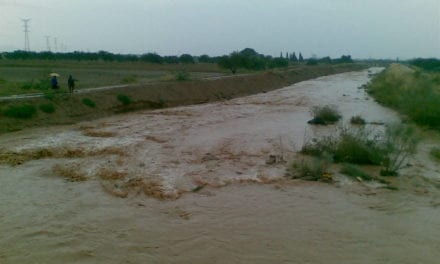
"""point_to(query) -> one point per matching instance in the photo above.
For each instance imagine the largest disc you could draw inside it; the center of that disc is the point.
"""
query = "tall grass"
(416, 95)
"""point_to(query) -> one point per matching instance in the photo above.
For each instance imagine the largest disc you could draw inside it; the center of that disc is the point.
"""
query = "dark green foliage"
(124, 99)
(312, 61)
(20, 111)
(47, 108)
(427, 64)
(89, 102)
(152, 58)
(355, 172)
(324, 115)
(186, 58)
(249, 59)
(49, 95)
(357, 120)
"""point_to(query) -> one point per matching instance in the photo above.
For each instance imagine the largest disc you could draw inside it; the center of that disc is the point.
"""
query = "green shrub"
(390, 149)
(89, 102)
(49, 95)
(124, 99)
(315, 169)
(42, 84)
(355, 172)
(47, 108)
(20, 111)
(182, 75)
(323, 115)
(357, 120)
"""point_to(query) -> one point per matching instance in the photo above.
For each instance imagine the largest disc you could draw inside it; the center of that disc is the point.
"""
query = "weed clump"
(47, 108)
(129, 79)
(355, 172)
(357, 120)
(315, 169)
(124, 99)
(20, 111)
(323, 115)
(390, 149)
(89, 102)
(182, 75)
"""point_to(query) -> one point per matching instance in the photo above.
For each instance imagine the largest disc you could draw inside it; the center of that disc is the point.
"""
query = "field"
(30, 76)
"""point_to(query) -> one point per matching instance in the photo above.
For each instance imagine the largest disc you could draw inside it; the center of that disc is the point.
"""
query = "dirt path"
(167, 154)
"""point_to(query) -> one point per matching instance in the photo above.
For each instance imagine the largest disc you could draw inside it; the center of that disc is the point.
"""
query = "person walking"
(71, 83)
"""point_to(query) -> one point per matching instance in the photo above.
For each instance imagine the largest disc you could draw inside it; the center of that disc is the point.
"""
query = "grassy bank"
(56, 109)
(413, 92)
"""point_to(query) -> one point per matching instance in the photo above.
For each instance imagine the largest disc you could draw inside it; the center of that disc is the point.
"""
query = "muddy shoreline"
(70, 108)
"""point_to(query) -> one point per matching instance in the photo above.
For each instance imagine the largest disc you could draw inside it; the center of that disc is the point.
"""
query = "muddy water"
(148, 156)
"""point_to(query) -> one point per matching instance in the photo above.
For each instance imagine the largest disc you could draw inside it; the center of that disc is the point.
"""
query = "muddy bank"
(71, 108)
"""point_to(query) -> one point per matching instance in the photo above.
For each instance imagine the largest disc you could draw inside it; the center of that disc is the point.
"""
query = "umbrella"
(54, 74)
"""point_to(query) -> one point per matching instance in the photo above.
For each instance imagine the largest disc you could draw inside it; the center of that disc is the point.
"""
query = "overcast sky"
(362, 28)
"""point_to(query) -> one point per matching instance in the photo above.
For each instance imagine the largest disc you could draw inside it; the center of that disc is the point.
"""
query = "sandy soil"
(168, 154)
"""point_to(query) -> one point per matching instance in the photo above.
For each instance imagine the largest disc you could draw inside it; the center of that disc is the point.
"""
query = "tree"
(152, 58)
(293, 57)
(204, 58)
(300, 59)
(186, 58)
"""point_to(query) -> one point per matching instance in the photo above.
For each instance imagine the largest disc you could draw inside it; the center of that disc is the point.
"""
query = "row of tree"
(245, 59)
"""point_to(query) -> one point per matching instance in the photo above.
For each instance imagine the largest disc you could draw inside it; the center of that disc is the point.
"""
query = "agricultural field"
(32, 76)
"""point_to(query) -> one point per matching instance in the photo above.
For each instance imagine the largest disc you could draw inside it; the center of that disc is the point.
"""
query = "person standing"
(54, 82)
(71, 83)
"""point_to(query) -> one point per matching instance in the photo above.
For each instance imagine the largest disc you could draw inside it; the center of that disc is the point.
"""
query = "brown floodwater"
(118, 190)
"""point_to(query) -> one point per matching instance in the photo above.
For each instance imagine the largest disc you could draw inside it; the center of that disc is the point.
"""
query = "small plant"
(129, 79)
(351, 146)
(435, 153)
(20, 111)
(315, 169)
(355, 172)
(401, 143)
(357, 120)
(124, 99)
(89, 102)
(323, 115)
(47, 108)
(182, 75)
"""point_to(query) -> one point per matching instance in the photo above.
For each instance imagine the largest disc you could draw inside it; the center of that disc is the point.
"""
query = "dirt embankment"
(71, 108)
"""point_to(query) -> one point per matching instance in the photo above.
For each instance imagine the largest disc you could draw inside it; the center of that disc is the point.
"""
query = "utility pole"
(55, 44)
(26, 34)
(47, 43)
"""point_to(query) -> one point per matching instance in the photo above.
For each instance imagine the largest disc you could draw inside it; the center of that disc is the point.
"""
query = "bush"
(49, 95)
(390, 150)
(324, 115)
(311, 170)
(182, 76)
(21, 111)
(124, 99)
(355, 172)
(89, 102)
(47, 108)
(42, 84)
(357, 120)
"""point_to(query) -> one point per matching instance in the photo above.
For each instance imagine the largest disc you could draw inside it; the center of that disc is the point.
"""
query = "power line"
(26, 34)
(47, 42)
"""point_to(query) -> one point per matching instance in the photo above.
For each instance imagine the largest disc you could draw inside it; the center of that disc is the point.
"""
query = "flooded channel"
(122, 189)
